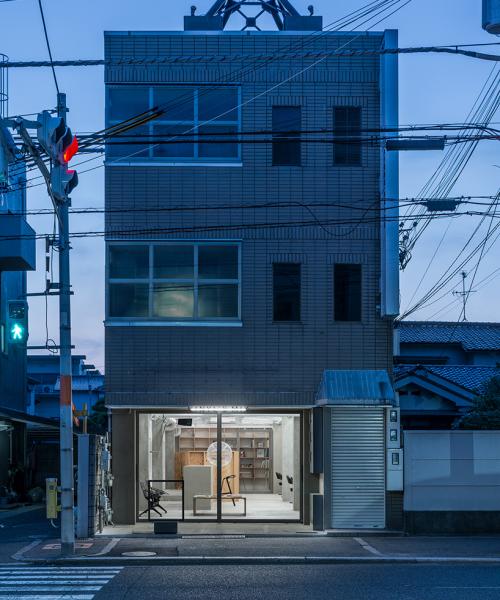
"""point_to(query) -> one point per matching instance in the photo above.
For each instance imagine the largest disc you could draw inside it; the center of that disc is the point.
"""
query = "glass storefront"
(256, 477)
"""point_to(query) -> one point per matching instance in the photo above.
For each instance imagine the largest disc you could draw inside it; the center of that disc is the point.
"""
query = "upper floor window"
(347, 292)
(174, 281)
(286, 292)
(287, 124)
(197, 124)
(346, 124)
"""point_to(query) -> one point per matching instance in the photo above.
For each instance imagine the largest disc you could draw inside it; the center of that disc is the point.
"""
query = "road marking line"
(467, 587)
(368, 547)
(19, 555)
(108, 547)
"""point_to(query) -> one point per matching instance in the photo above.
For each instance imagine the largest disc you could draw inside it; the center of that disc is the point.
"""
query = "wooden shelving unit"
(254, 446)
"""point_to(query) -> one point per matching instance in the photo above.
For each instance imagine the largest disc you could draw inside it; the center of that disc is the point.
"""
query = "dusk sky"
(433, 89)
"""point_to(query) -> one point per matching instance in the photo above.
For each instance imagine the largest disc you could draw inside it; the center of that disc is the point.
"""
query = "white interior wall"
(144, 455)
(277, 456)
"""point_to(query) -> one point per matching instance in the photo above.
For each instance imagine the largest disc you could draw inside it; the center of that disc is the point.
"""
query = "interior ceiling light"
(215, 409)
(4, 426)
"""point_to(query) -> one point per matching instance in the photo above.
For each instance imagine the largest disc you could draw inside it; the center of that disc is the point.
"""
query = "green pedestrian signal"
(18, 322)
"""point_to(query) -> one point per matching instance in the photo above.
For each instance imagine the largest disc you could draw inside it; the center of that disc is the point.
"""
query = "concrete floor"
(259, 507)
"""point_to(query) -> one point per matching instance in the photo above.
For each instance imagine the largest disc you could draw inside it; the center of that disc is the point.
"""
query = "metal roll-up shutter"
(358, 467)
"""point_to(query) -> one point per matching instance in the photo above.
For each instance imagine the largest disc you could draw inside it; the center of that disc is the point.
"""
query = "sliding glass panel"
(133, 143)
(218, 104)
(173, 262)
(125, 102)
(177, 103)
(174, 141)
(218, 262)
(173, 300)
(128, 262)
(128, 300)
(217, 300)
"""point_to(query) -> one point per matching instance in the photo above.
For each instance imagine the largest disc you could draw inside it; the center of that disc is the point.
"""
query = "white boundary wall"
(452, 470)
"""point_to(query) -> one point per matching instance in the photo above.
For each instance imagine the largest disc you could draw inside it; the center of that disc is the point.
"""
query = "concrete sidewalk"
(242, 549)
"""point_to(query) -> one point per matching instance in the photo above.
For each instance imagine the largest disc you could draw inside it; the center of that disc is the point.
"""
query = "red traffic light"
(71, 150)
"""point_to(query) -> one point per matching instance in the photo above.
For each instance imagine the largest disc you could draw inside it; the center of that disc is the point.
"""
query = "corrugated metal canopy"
(362, 388)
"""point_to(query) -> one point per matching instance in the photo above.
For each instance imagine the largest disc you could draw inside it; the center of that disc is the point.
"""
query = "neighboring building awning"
(355, 388)
(21, 417)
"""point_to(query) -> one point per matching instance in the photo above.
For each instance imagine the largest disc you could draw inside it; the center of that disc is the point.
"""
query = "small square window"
(126, 102)
(173, 141)
(173, 300)
(217, 300)
(129, 262)
(173, 262)
(176, 103)
(128, 300)
(218, 262)
(133, 143)
(218, 103)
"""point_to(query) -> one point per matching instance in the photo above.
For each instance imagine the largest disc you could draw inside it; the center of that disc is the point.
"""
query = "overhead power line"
(48, 45)
(147, 61)
(323, 223)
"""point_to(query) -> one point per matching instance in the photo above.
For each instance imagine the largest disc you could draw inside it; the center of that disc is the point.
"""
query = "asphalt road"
(332, 582)
(18, 530)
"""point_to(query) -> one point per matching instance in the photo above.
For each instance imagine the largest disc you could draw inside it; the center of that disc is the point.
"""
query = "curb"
(257, 560)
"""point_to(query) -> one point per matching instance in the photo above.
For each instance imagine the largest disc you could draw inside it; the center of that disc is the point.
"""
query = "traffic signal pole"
(65, 402)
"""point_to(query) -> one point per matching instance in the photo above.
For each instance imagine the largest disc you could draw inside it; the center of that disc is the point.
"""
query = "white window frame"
(190, 126)
(196, 281)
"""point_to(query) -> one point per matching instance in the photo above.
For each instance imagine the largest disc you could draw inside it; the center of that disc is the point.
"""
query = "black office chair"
(279, 477)
(227, 481)
(153, 497)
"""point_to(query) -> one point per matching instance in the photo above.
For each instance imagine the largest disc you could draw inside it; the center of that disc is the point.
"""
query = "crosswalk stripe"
(62, 576)
(42, 581)
(53, 583)
(52, 588)
(49, 569)
(52, 597)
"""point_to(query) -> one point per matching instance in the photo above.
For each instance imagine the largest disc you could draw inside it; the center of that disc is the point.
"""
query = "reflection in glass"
(128, 262)
(173, 300)
(218, 262)
(217, 300)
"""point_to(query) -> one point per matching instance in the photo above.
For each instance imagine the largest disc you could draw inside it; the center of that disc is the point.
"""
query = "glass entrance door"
(261, 467)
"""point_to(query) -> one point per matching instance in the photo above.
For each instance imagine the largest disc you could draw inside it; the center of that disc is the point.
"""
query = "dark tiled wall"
(261, 357)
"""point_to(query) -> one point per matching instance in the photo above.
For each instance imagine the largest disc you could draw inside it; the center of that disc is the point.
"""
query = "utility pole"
(65, 399)
(56, 139)
(464, 293)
